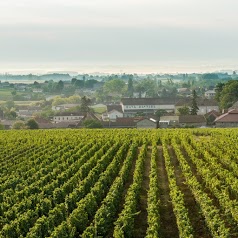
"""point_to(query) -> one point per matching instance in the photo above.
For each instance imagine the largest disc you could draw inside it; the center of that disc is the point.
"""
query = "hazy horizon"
(146, 68)
(166, 36)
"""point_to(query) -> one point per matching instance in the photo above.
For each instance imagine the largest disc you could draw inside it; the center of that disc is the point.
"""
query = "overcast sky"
(79, 34)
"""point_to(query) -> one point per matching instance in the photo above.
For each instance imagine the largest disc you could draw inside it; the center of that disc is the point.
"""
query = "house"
(124, 122)
(65, 106)
(229, 119)
(138, 95)
(168, 121)
(28, 112)
(66, 124)
(37, 90)
(210, 94)
(184, 91)
(211, 116)
(68, 116)
(182, 121)
(46, 125)
(88, 116)
(204, 105)
(133, 106)
(147, 123)
(7, 124)
(113, 112)
(20, 87)
(4, 85)
(43, 123)
(192, 121)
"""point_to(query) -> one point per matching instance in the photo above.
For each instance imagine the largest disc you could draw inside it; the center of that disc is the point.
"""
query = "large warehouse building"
(131, 106)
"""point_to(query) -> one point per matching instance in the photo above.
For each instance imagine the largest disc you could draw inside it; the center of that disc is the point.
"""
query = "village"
(119, 101)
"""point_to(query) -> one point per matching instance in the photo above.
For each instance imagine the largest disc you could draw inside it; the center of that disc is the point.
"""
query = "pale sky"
(103, 34)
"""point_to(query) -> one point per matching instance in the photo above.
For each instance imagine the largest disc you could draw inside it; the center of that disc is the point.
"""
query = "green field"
(119, 183)
(5, 94)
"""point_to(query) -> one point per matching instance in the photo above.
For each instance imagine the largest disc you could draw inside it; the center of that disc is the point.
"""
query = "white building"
(37, 90)
(68, 117)
(132, 106)
(210, 94)
(66, 106)
(113, 112)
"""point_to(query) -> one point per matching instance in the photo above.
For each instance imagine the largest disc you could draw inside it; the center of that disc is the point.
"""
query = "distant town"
(60, 100)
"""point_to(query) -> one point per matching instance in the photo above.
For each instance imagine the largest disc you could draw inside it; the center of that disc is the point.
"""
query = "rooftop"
(230, 116)
(148, 101)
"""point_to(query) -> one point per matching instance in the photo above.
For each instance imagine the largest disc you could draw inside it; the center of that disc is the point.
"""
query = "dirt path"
(141, 219)
(168, 224)
(196, 218)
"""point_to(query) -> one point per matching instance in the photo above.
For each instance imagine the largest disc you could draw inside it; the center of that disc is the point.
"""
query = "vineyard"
(119, 183)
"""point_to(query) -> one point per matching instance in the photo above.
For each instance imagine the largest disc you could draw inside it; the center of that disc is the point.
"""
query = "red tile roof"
(231, 116)
(114, 107)
(192, 119)
(213, 112)
(148, 101)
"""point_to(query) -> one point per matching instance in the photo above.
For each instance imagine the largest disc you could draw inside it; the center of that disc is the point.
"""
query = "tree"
(184, 110)
(229, 94)
(90, 83)
(218, 89)
(32, 124)
(160, 112)
(59, 86)
(140, 89)
(194, 107)
(9, 104)
(2, 127)
(90, 123)
(36, 84)
(74, 99)
(149, 86)
(85, 103)
(14, 93)
(114, 86)
(18, 125)
(130, 88)
(10, 114)
(73, 80)
(79, 83)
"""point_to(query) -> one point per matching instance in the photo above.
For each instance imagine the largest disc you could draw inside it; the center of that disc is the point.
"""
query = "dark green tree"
(194, 107)
(79, 83)
(73, 80)
(229, 94)
(60, 86)
(184, 110)
(10, 114)
(85, 103)
(32, 124)
(14, 93)
(160, 112)
(114, 86)
(218, 89)
(130, 88)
